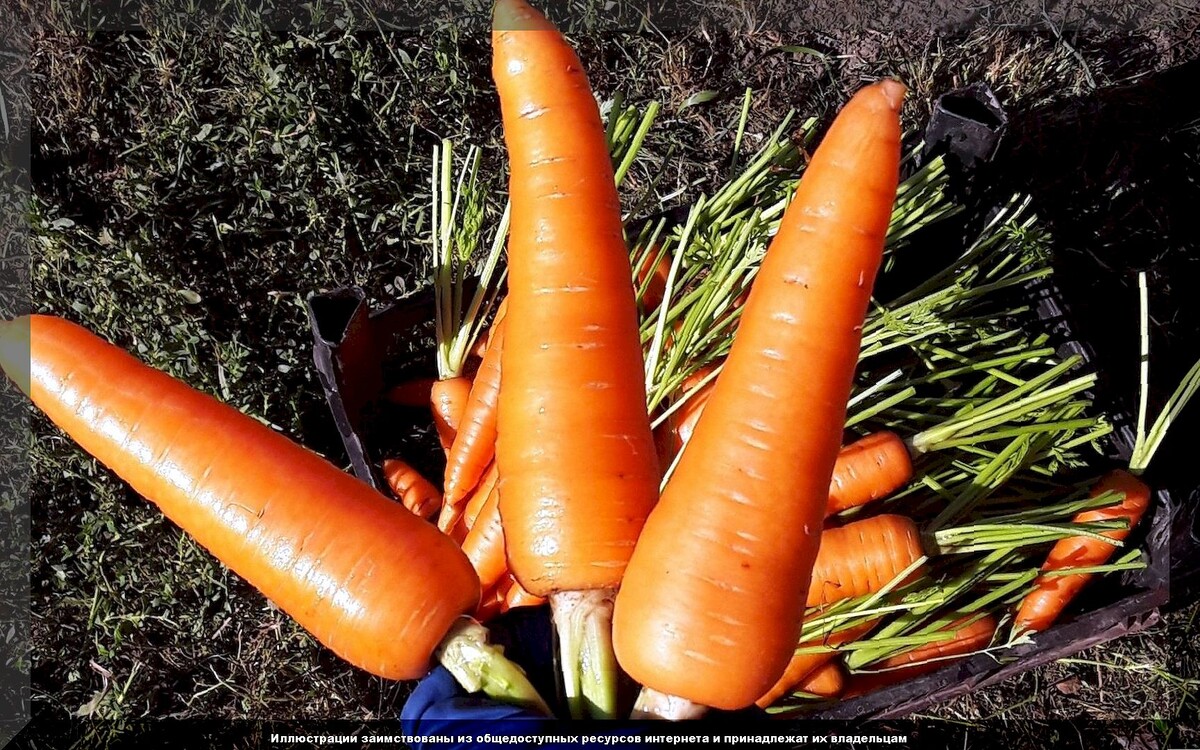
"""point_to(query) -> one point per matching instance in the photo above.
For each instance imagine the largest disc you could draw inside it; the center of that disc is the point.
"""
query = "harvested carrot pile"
(741, 457)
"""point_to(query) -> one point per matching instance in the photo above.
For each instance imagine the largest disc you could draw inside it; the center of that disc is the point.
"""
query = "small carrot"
(1052, 593)
(414, 491)
(964, 636)
(377, 585)
(471, 511)
(415, 392)
(449, 397)
(861, 557)
(869, 469)
(491, 605)
(578, 467)
(475, 444)
(805, 661)
(679, 425)
(516, 596)
(484, 543)
(826, 681)
(744, 508)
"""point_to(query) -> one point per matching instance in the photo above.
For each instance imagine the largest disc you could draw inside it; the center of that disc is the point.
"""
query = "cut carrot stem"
(702, 615)
(578, 466)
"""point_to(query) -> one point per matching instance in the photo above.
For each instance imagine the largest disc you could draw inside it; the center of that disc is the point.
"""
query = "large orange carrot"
(701, 615)
(414, 491)
(374, 583)
(804, 661)
(862, 557)
(1052, 593)
(964, 636)
(868, 469)
(475, 444)
(578, 468)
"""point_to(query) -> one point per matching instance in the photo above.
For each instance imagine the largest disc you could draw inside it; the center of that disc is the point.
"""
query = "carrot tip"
(894, 92)
(517, 15)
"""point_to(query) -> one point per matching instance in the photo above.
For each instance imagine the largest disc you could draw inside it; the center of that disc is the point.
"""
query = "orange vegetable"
(377, 585)
(1052, 594)
(484, 544)
(475, 444)
(654, 276)
(415, 392)
(491, 605)
(479, 496)
(869, 469)
(701, 615)
(863, 557)
(449, 399)
(678, 427)
(962, 637)
(414, 491)
(578, 467)
(806, 664)
(826, 681)
(516, 596)
(576, 456)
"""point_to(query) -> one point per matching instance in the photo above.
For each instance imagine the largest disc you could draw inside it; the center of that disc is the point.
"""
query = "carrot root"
(480, 666)
(651, 704)
(583, 620)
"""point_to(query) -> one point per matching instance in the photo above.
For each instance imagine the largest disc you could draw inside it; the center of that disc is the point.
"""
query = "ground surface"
(194, 183)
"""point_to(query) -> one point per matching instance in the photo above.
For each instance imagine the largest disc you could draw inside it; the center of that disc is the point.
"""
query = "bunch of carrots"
(734, 469)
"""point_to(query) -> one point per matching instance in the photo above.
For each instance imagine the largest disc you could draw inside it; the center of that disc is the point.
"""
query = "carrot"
(491, 605)
(861, 557)
(701, 616)
(805, 661)
(414, 491)
(415, 392)
(475, 444)
(826, 681)
(471, 511)
(869, 469)
(377, 585)
(964, 636)
(517, 596)
(653, 276)
(448, 397)
(678, 428)
(578, 469)
(1052, 593)
(484, 543)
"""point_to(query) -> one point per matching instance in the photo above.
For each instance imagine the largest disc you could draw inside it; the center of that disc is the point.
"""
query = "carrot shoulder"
(373, 582)
(701, 614)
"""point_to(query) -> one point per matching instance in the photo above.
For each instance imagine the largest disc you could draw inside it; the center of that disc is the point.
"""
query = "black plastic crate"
(360, 353)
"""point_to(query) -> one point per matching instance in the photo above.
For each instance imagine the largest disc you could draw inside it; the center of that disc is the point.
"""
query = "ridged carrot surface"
(869, 469)
(414, 491)
(862, 557)
(448, 399)
(377, 585)
(578, 469)
(711, 606)
(1052, 594)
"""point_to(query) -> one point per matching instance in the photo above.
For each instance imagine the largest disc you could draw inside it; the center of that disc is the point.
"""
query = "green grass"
(193, 185)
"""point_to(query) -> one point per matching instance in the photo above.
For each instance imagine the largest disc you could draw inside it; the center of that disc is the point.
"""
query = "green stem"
(480, 666)
(583, 620)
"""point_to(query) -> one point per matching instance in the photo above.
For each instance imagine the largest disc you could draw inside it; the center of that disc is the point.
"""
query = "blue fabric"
(439, 707)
